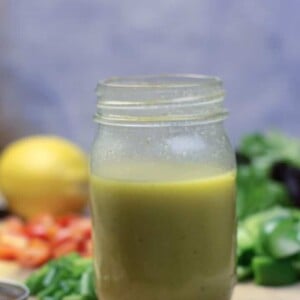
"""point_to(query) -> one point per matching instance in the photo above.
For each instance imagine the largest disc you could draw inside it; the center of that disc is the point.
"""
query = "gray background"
(52, 53)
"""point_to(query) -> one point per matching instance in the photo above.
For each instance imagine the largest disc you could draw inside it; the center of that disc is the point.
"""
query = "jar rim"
(163, 81)
(160, 98)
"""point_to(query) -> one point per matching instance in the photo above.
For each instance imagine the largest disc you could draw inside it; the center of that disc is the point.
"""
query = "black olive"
(279, 171)
(290, 176)
(292, 183)
(242, 159)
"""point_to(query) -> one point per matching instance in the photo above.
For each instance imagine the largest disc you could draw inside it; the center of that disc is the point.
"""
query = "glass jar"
(163, 190)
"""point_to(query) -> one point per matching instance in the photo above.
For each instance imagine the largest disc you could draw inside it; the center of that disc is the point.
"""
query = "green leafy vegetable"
(67, 278)
(257, 190)
(269, 244)
(265, 149)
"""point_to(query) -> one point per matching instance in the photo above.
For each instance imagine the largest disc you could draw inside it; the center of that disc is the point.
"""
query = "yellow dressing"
(164, 240)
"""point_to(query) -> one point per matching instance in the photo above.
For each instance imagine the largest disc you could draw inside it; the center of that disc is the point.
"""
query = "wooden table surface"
(247, 291)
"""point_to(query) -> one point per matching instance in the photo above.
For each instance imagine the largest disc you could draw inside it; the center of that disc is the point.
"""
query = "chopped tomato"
(18, 241)
(62, 235)
(44, 237)
(36, 253)
(13, 225)
(45, 219)
(67, 220)
(88, 249)
(65, 248)
(11, 245)
(82, 228)
(43, 227)
(42, 231)
(7, 252)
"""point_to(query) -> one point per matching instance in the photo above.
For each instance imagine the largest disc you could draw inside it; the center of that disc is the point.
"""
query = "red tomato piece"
(43, 227)
(88, 249)
(67, 220)
(36, 253)
(7, 252)
(12, 245)
(42, 231)
(62, 235)
(45, 219)
(13, 225)
(65, 248)
(82, 228)
(44, 237)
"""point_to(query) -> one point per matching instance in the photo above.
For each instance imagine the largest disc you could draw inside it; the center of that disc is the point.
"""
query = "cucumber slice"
(296, 263)
(253, 223)
(244, 238)
(280, 238)
(270, 272)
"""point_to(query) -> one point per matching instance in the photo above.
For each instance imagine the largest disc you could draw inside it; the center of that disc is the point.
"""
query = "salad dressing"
(164, 240)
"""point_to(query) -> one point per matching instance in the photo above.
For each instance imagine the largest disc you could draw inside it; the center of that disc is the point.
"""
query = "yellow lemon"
(44, 174)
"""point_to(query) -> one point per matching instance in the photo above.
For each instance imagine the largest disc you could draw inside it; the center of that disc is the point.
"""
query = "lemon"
(44, 174)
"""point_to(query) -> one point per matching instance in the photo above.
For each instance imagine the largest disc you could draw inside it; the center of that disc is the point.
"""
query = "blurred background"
(52, 53)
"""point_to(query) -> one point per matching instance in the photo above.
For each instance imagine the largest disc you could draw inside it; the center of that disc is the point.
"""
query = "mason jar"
(163, 190)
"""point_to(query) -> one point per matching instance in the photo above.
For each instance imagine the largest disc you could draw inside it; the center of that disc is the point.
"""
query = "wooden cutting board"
(247, 291)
